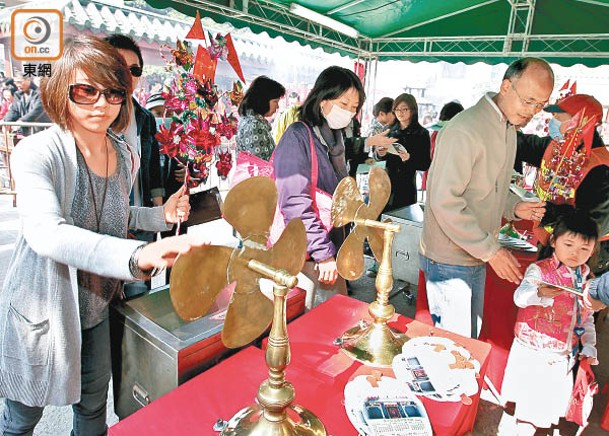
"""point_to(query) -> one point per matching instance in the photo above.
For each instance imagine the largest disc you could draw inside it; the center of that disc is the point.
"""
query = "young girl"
(550, 325)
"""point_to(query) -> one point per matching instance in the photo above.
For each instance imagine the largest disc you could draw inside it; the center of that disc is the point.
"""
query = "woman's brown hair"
(411, 102)
(101, 63)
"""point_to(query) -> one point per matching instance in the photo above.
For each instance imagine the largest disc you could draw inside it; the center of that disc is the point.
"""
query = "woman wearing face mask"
(591, 193)
(334, 100)
(413, 155)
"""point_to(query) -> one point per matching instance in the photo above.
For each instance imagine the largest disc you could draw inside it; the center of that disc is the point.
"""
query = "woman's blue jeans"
(90, 412)
(456, 295)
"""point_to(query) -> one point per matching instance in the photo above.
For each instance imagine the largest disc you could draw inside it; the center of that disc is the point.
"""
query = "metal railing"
(7, 184)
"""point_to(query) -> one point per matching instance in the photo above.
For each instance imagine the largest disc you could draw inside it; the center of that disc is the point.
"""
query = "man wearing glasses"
(468, 194)
(148, 188)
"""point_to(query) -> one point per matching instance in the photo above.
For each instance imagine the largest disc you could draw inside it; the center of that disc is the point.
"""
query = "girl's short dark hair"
(411, 102)
(385, 105)
(576, 221)
(261, 91)
(449, 110)
(101, 63)
(332, 83)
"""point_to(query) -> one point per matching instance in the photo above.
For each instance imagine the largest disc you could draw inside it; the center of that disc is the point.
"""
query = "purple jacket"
(292, 168)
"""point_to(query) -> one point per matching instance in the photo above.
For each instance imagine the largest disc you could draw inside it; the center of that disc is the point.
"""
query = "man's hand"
(506, 266)
(591, 303)
(327, 271)
(527, 210)
(380, 139)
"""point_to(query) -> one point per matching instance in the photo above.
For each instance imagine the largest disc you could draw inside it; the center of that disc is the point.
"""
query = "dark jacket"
(31, 111)
(592, 195)
(150, 169)
(354, 146)
(292, 169)
(415, 139)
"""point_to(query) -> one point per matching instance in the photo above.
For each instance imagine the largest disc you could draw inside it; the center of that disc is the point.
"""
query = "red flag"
(233, 58)
(196, 31)
(360, 70)
(205, 67)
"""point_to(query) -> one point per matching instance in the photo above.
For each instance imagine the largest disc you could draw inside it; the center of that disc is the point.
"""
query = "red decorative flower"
(170, 139)
(197, 125)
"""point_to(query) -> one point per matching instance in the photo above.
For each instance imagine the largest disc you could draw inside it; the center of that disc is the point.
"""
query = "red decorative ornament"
(224, 163)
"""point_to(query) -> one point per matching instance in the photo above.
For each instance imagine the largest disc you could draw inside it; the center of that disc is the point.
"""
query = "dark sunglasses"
(135, 70)
(81, 93)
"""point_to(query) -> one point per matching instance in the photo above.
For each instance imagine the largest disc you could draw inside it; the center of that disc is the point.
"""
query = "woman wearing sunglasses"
(71, 256)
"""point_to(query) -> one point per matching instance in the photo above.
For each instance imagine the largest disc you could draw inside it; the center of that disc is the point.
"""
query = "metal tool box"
(154, 351)
(405, 251)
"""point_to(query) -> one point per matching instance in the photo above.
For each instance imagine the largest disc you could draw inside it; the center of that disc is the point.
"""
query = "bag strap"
(314, 164)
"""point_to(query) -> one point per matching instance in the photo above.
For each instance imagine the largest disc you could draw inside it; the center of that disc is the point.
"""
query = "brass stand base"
(251, 421)
(373, 344)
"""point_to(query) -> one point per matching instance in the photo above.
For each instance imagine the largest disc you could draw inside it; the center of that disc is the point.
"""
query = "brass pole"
(376, 344)
(275, 414)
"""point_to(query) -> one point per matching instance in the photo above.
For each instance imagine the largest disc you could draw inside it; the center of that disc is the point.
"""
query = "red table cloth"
(225, 389)
(311, 339)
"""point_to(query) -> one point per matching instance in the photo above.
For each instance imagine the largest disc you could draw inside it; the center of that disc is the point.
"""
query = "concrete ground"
(57, 420)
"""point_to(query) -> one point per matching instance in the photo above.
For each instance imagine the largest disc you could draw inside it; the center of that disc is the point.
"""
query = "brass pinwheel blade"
(197, 278)
(350, 258)
(345, 202)
(379, 187)
(250, 208)
(290, 251)
(375, 240)
(248, 316)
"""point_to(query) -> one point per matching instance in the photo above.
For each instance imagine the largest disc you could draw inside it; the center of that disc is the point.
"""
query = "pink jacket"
(549, 323)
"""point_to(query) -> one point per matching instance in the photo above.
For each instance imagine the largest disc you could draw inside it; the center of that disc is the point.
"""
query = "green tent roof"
(566, 32)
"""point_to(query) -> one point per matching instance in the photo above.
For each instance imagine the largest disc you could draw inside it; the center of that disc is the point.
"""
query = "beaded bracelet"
(137, 272)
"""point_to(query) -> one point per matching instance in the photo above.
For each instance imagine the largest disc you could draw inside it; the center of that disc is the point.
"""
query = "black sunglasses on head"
(135, 70)
(82, 93)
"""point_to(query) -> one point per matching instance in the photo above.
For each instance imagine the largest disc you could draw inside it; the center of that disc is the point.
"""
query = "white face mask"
(338, 118)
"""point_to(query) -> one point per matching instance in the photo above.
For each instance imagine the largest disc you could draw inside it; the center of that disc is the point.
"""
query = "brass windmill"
(374, 343)
(200, 275)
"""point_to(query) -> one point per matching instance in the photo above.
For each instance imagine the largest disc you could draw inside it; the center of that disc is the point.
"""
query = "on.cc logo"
(36, 30)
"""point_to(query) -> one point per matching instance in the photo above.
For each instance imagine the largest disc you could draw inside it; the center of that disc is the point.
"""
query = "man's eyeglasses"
(401, 109)
(135, 70)
(528, 102)
(81, 93)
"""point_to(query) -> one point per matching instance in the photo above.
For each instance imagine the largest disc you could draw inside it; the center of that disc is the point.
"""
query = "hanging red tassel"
(233, 58)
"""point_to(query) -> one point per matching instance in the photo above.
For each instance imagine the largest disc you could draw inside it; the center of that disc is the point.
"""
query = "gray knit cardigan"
(40, 329)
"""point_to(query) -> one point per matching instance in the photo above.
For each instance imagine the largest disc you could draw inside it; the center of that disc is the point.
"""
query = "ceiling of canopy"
(566, 32)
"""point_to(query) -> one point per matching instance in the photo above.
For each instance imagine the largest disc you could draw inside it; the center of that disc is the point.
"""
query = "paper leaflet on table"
(385, 407)
(438, 368)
